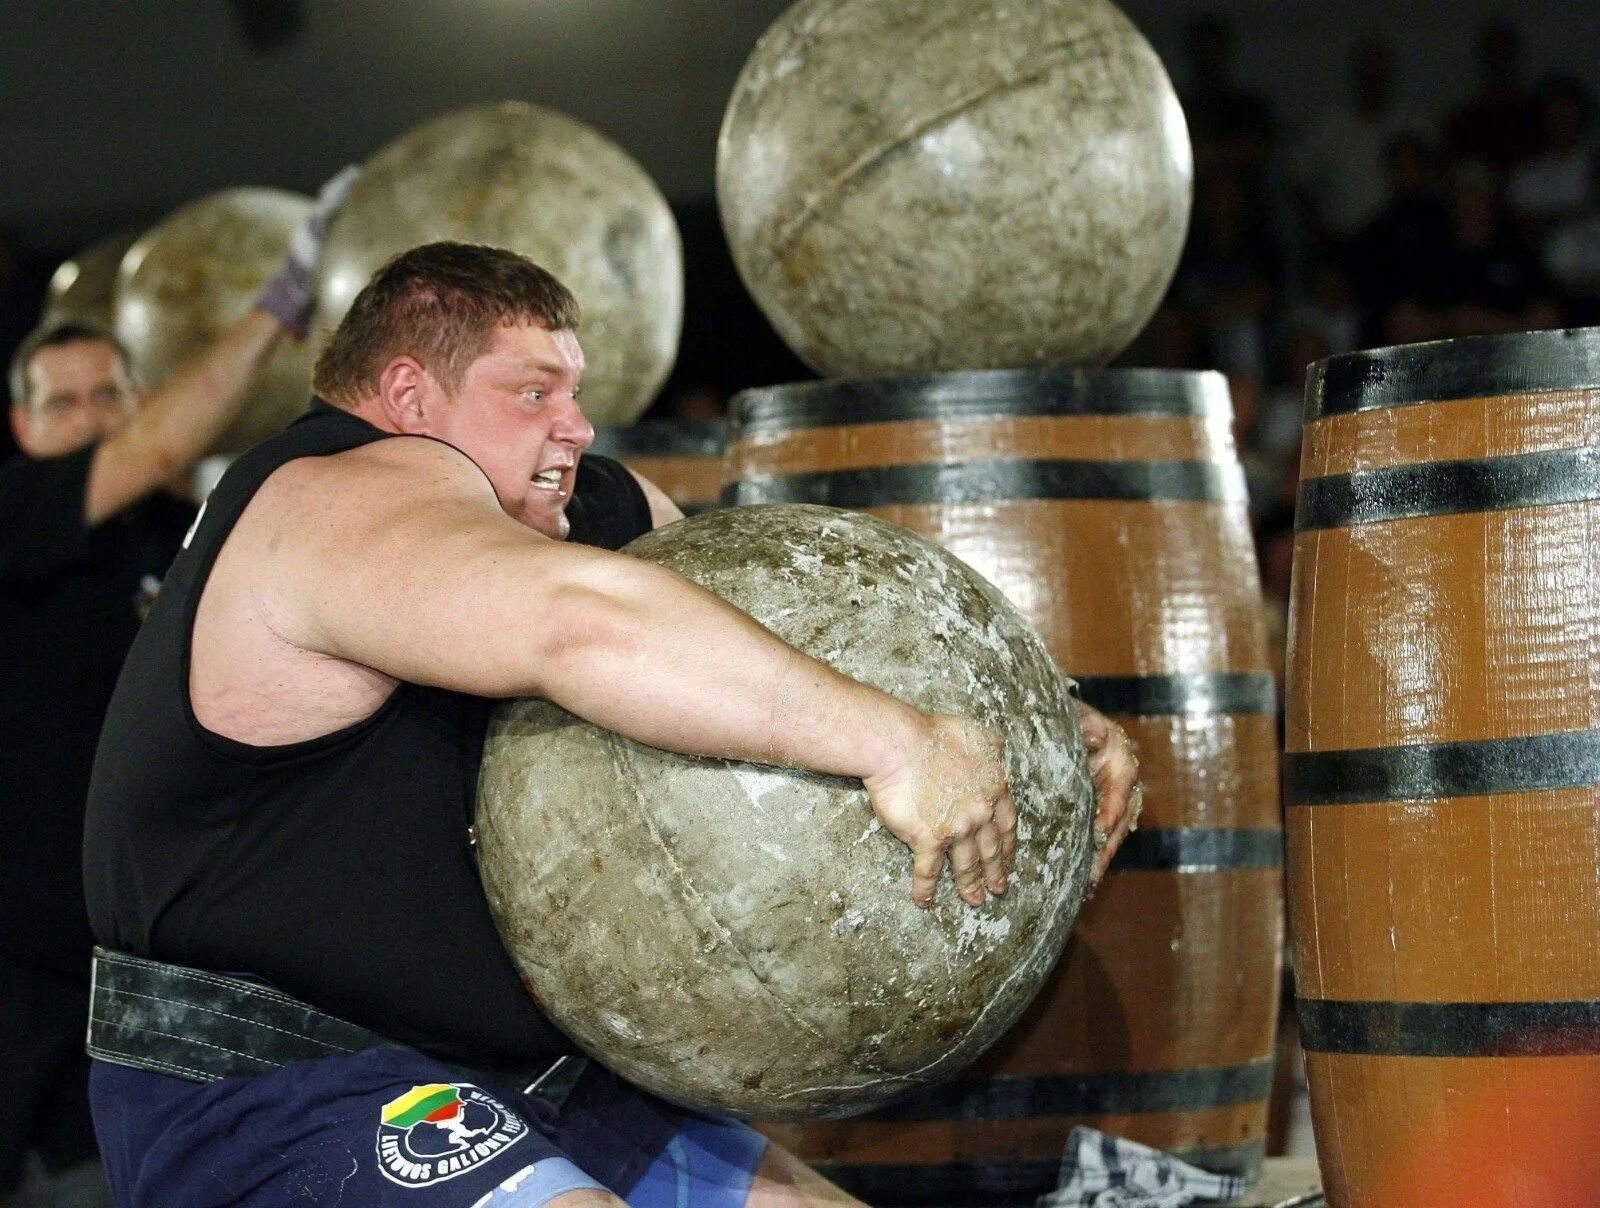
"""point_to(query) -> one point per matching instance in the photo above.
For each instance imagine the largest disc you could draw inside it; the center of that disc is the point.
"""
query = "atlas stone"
(911, 186)
(742, 938)
(537, 182)
(83, 288)
(196, 273)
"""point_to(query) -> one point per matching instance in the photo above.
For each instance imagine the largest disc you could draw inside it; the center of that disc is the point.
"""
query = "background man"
(279, 800)
(86, 531)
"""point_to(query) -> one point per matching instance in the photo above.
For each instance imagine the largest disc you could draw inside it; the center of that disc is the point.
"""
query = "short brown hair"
(50, 335)
(439, 303)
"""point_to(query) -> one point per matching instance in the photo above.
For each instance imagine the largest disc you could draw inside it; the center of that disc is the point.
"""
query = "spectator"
(1400, 256)
(1327, 307)
(1557, 184)
(1499, 125)
(1489, 281)
(1231, 129)
(1230, 274)
(1338, 168)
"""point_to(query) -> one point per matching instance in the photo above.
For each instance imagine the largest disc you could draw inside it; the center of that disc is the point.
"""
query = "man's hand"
(1119, 796)
(950, 797)
(287, 297)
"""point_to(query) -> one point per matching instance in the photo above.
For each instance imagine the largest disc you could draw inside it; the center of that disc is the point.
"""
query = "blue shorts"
(391, 1128)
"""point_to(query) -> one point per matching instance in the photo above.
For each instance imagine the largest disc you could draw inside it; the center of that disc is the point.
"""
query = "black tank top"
(339, 868)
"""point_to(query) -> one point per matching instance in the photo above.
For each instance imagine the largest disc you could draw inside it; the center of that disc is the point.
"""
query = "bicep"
(429, 582)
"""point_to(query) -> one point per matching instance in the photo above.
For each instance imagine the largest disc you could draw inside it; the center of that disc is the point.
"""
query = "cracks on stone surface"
(626, 771)
(1051, 58)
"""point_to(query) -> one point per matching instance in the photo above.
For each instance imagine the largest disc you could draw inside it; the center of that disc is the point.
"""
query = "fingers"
(966, 869)
(1114, 765)
(927, 862)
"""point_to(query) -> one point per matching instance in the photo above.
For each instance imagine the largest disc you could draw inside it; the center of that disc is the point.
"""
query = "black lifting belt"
(204, 1026)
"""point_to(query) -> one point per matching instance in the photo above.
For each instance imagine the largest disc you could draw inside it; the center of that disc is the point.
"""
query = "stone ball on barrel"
(914, 186)
(537, 182)
(742, 938)
(197, 272)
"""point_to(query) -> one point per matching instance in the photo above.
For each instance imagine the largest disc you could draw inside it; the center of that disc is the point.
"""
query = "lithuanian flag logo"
(465, 1128)
(434, 1103)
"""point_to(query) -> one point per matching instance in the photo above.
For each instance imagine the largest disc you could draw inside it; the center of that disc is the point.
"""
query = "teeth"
(548, 479)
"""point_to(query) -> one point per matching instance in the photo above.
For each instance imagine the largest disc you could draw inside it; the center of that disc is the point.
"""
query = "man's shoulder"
(417, 460)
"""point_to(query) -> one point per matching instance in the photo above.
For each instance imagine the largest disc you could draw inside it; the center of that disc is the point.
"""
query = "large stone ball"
(82, 289)
(742, 938)
(515, 176)
(196, 273)
(920, 185)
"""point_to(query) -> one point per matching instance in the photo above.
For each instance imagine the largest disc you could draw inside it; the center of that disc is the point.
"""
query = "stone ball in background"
(742, 938)
(919, 185)
(196, 273)
(537, 182)
(82, 289)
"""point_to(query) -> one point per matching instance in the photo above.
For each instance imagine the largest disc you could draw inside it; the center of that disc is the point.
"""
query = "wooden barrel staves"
(682, 457)
(1110, 507)
(1443, 739)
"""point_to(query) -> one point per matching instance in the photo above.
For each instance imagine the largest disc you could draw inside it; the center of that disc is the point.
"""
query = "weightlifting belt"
(204, 1026)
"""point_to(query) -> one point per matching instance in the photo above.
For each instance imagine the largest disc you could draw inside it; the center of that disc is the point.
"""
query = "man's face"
(516, 415)
(78, 393)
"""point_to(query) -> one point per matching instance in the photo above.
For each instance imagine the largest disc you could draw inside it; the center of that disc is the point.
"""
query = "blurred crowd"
(1372, 224)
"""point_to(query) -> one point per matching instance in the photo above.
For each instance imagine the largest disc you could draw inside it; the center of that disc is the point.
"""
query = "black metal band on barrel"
(679, 438)
(1429, 771)
(1471, 367)
(1198, 849)
(1490, 484)
(998, 481)
(1076, 1095)
(1565, 1028)
(1200, 692)
(1014, 1181)
(978, 394)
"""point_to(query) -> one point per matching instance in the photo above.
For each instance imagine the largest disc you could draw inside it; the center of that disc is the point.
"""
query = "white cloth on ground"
(1102, 1171)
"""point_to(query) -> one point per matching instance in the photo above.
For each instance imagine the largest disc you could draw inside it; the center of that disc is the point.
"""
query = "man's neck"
(369, 410)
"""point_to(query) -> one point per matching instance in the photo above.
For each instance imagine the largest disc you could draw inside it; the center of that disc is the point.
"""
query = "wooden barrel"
(1443, 739)
(1110, 507)
(682, 457)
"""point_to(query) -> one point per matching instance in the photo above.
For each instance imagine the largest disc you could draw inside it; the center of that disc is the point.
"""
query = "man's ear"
(405, 394)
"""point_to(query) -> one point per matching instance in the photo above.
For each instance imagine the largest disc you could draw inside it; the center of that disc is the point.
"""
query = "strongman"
(306, 998)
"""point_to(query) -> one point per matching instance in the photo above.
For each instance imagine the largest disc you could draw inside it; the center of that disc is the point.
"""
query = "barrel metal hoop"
(1431, 771)
(1199, 849)
(677, 438)
(981, 394)
(1490, 484)
(999, 481)
(1019, 1098)
(1563, 1028)
(1449, 370)
(1192, 692)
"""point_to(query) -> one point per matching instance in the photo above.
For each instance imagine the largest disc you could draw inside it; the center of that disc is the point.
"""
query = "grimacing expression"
(516, 414)
(78, 392)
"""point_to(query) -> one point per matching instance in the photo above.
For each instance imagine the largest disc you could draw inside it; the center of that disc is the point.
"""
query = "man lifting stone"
(283, 797)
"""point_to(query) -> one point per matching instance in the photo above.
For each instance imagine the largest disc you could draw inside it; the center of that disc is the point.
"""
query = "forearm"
(190, 410)
(666, 663)
(179, 422)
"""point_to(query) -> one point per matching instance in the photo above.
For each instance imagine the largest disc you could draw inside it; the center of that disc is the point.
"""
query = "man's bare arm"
(662, 510)
(408, 566)
(178, 423)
